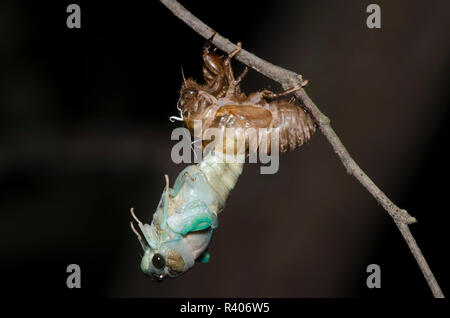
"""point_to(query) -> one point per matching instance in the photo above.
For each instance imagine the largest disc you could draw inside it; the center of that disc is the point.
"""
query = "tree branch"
(289, 79)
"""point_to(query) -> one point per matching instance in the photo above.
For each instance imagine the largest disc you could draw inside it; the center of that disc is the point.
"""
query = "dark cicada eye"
(158, 261)
(188, 94)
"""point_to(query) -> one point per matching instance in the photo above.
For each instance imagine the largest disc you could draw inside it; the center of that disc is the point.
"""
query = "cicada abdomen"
(293, 126)
(219, 103)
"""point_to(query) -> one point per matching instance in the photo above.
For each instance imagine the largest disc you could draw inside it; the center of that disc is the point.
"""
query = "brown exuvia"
(219, 103)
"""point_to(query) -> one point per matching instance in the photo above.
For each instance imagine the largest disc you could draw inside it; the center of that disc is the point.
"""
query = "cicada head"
(154, 264)
(194, 102)
(161, 263)
(165, 252)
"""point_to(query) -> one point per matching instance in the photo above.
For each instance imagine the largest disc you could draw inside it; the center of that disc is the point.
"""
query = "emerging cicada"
(187, 214)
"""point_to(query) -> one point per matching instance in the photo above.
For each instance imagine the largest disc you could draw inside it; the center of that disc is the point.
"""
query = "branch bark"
(289, 79)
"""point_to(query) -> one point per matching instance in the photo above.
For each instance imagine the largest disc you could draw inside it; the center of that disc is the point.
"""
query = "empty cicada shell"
(219, 103)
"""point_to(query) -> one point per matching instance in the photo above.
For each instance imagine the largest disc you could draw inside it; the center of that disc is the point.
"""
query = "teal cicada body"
(186, 216)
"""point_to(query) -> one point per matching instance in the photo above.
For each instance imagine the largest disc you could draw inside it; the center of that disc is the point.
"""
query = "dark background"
(85, 135)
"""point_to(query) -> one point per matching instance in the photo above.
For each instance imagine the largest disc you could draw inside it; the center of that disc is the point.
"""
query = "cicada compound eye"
(158, 261)
(188, 94)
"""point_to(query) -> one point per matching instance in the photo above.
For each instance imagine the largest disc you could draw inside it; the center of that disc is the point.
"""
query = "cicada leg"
(232, 83)
(179, 183)
(269, 94)
(241, 76)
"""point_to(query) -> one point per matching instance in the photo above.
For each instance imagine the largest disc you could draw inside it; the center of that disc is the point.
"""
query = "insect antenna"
(135, 231)
(182, 74)
(134, 216)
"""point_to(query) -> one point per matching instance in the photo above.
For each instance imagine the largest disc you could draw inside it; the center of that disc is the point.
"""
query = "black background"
(85, 135)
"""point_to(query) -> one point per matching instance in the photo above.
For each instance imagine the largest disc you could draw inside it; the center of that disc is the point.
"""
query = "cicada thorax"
(196, 104)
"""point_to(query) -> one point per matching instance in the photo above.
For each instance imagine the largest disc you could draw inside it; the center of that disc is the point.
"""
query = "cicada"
(182, 225)
(187, 214)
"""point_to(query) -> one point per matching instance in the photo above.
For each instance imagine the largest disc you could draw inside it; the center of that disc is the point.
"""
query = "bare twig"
(290, 79)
